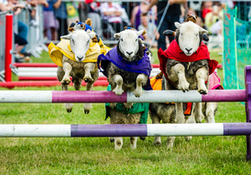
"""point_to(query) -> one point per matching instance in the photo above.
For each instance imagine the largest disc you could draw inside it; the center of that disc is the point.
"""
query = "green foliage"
(202, 155)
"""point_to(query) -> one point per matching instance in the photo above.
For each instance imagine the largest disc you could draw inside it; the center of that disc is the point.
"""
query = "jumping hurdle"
(126, 97)
(140, 130)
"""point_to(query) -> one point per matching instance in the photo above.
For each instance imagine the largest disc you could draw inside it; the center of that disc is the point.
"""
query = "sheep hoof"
(157, 143)
(88, 79)
(65, 81)
(137, 92)
(188, 138)
(118, 91)
(142, 138)
(201, 91)
(87, 111)
(69, 110)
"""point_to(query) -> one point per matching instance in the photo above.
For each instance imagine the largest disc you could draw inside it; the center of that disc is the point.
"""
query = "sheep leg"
(155, 120)
(119, 82)
(67, 69)
(198, 112)
(68, 106)
(141, 79)
(133, 141)
(118, 143)
(88, 67)
(178, 74)
(210, 111)
(179, 118)
(202, 76)
(88, 106)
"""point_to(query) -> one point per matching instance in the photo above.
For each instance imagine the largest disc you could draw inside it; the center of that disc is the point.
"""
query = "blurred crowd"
(112, 16)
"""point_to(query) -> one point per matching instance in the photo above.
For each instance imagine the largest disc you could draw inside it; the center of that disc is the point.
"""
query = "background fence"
(236, 48)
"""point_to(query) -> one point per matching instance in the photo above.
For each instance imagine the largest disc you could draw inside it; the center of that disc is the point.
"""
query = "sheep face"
(189, 36)
(129, 43)
(79, 42)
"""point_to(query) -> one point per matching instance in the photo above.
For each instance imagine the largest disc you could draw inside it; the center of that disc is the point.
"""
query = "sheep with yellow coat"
(76, 56)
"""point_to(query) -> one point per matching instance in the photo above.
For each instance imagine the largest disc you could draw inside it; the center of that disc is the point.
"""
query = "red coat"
(174, 52)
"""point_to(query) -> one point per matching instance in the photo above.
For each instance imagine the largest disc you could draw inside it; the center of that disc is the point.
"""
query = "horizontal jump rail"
(63, 130)
(54, 65)
(12, 84)
(7, 96)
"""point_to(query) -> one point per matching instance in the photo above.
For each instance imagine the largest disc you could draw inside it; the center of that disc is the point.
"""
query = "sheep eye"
(72, 40)
(181, 34)
(121, 39)
(197, 34)
(136, 40)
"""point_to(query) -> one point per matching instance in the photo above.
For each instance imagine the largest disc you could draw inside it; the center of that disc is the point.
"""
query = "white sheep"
(76, 60)
(185, 65)
(127, 68)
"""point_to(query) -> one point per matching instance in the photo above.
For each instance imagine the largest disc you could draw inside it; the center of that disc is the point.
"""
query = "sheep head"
(80, 42)
(189, 36)
(129, 43)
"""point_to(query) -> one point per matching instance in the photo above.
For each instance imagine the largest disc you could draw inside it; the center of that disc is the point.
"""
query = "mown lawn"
(202, 155)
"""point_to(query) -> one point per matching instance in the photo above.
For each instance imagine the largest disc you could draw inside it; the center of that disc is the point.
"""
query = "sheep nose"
(188, 50)
(79, 58)
(129, 53)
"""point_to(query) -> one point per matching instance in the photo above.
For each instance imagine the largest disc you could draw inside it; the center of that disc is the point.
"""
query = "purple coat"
(141, 66)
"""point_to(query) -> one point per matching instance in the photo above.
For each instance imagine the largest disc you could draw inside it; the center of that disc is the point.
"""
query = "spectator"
(72, 12)
(172, 15)
(151, 31)
(206, 8)
(20, 36)
(213, 20)
(136, 13)
(50, 21)
(198, 20)
(111, 12)
(93, 14)
(61, 15)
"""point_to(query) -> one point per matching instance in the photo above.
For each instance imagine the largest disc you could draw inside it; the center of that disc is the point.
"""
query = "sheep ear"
(141, 32)
(203, 31)
(66, 36)
(178, 25)
(117, 35)
(91, 33)
(169, 33)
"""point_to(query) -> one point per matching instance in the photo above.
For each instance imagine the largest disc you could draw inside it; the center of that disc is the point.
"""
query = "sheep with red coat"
(185, 65)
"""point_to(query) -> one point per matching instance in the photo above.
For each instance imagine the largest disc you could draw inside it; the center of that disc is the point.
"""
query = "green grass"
(202, 155)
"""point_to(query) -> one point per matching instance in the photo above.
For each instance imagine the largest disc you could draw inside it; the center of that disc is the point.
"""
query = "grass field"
(202, 155)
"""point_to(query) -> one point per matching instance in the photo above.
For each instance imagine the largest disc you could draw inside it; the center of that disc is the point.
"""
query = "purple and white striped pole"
(109, 97)
(60, 130)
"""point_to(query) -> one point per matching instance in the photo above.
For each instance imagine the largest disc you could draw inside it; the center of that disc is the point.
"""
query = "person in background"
(206, 8)
(61, 15)
(20, 36)
(172, 15)
(213, 20)
(136, 13)
(112, 12)
(151, 31)
(93, 14)
(198, 20)
(50, 22)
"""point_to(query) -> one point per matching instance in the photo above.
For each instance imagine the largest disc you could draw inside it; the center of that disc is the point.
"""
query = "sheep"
(186, 66)
(127, 68)
(76, 55)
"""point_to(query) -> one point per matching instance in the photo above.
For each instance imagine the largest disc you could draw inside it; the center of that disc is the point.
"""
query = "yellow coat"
(56, 52)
